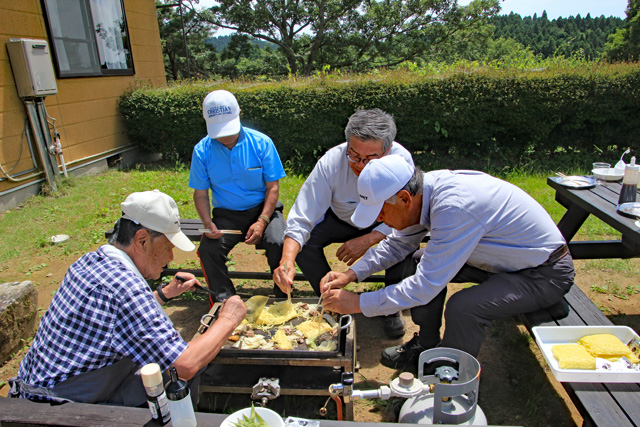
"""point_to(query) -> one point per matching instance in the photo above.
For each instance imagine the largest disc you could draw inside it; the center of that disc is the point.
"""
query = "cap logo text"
(363, 197)
(219, 110)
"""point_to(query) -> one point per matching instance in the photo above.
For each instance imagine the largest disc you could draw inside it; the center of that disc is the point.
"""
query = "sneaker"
(393, 325)
(403, 356)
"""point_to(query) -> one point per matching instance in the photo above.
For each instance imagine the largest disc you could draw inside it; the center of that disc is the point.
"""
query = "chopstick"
(206, 230)
(284, 267)
(184, 279)
(320, 301)
(567, 178)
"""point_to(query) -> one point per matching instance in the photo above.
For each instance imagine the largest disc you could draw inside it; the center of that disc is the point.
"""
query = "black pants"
(313, 262)
(497, 296)
(118, 384)
(214, 253)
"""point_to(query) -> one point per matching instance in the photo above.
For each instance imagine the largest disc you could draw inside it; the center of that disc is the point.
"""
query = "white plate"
(608, 174)
(577, 182)
(270, 417)
(59, 238)
(548, 336)
(631, 209)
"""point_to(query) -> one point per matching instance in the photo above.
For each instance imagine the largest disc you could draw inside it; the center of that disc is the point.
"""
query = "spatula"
(290, 308)
(255, 305)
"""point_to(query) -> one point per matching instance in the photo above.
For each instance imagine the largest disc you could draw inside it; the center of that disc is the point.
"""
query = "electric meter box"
(32, 67)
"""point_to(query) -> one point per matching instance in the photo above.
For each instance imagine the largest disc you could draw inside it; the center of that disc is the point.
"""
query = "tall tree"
(174, 29)
(624, 44)
(357, 34)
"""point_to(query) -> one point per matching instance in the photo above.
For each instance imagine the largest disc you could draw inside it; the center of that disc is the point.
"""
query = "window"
(89, 37)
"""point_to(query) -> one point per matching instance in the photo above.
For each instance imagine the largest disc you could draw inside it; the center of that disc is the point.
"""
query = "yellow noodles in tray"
(282, 340)
(607, 346)
(573, 356)
(277, 314)
(312, 329)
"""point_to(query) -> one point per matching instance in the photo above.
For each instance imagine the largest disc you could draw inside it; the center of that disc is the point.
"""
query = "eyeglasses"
(355, 159)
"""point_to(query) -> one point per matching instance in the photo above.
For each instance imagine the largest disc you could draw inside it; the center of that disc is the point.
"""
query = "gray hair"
(414, 186)
(372, 125)
(124, 230)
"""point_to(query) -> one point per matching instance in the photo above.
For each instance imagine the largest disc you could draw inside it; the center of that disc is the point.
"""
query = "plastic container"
(629, 183)
(156, 396)
(619, 167)
(548, 336)
(180, 405)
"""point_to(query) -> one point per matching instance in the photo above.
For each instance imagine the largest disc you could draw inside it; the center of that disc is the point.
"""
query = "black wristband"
(161, 294)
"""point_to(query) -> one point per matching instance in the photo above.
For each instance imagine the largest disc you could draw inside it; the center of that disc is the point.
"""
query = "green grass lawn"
(85, 207)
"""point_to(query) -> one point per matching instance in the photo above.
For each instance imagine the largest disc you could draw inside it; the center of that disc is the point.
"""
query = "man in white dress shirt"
(322, 212)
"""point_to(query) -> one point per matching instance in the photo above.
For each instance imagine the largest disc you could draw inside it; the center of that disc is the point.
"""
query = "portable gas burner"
(447, 396)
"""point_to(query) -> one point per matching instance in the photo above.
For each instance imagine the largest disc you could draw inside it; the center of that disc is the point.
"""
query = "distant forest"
(562, 36)
(221, 42)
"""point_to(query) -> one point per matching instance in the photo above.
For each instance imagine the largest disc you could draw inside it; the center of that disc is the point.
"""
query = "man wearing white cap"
(322, 212)
(105, 323)
(483, 230)
(242, 169)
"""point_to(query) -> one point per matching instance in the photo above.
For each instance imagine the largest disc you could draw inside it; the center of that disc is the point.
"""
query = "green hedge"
(487, 120)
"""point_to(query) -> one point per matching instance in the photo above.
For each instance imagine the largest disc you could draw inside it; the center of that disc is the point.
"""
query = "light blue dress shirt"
(473, 218)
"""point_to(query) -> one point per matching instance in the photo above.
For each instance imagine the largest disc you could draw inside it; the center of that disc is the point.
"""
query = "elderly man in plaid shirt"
(105, 323)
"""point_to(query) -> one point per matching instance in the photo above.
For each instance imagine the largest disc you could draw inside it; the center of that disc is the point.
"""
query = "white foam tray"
(548, 336)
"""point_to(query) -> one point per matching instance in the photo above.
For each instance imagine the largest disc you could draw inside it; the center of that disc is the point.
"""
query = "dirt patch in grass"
(516, 387)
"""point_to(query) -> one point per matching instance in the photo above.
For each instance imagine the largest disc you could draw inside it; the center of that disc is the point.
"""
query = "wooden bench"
(22, 412)
(191, 228)
(599, 404)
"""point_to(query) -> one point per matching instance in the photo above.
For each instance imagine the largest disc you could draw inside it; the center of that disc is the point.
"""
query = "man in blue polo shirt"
(241, 167)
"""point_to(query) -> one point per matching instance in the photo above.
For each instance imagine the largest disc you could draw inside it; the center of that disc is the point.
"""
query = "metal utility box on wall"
(32, 67)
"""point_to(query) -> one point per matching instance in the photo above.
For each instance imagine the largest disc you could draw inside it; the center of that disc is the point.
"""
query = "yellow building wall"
(85, 109)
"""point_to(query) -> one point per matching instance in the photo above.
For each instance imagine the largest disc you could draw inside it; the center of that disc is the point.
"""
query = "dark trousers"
(118, 384)
(313, 262)
(497, 296)
(214, 253)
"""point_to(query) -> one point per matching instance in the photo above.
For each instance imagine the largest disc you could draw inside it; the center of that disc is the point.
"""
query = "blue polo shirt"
(237, 177)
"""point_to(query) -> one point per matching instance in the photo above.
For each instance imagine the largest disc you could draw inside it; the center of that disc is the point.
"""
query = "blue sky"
(563, 8)
(554, 8)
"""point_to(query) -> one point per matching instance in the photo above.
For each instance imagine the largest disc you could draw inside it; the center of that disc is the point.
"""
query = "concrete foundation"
(127, 159)
(18, 316)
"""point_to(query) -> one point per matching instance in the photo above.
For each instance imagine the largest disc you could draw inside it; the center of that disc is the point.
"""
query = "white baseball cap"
(158, 212)
(379, 180)
(222, 114)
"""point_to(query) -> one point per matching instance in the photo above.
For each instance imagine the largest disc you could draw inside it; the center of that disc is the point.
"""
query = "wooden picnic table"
(600, 201)
(600, 404)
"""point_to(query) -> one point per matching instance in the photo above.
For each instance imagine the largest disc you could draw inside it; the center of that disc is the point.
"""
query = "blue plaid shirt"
(102, 313)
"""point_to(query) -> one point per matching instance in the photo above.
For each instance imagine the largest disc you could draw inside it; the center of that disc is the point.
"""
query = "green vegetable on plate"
(254, 420)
